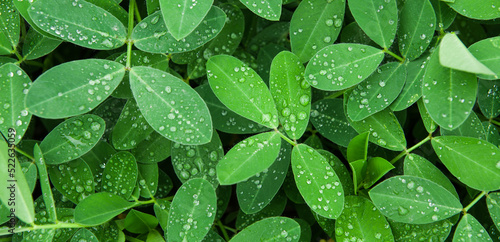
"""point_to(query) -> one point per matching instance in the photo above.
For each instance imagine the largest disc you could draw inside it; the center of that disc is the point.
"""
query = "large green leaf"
(469, 229)
(120, 175)
(414, 200)
(448, 94)
(485, 9)
(241, 89)
(73, 88)
(268, 9)
(291, 93)
(72, 179)
(37, 45)
(192, 212)
(182, 16)
(15, 83)
(248, 158)
(487, 52)
(153, 149)
(361, 221)
(340, 66)
(416, 28)
(377, 18)
(148, 179)
(171, 107)
(99, 208)
(72, 138)
(444, 14)
(314, 25)
(317, 182)
(81, 23)
(151, 34)
(131, 128)
(474, 162)
(10, 26)
(412, 91)
(270, 229)
(377, 92)
(489, 98)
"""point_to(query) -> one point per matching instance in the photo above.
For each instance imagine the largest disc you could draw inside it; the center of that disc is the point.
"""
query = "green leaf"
(341, 171)
(270, 229)
(429, 124)
(152, 35)
(131, 128)
(248, 158)
(96, 158)
(265, 58)
(358, 169)
(138, 222)
(81, 23)
(492, 134)
(416, 28)
(448, 94)
(178, 113)
(48, 198)
(493, 204)
(352, 33)
(291, 93)
(10, 26)
(472, 127)
(358, 147)
(255, 193)
(73, 179)
(414, 200)
(328, 118)
(14, 183)
(120, 175)
(73, 88)
(317, 182)
(84, 235)
(72, 138)
(197, 161)
(377, 92)
(453, 54)
(469, 229)
(110, 111)
(437, 231)
(483, 10)
(488, 98)
(415, 165)
(155, 148)
(113, 7)
(412, 90)
(182, 17)
(14, 115)
(161, 209)
(268, 9)
(275, 33)
(192, 212)
(275, 208)
(37, 45)
(340, 66)
(360, 220)
(99, 208)
(314, 25)
(384, 128)
(148, 179)
(486, 52)
(241, 89)
(377, 18)
(473, 161)
(444, 14)
(376, 168)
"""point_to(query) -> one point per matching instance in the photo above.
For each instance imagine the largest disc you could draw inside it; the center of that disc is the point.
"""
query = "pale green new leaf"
(99, 208)
(248, 158)
(341, 66)
(183, 16)
(270, 229)
(317, 182)
(241, 89)
(192, 212)
(171, 107)
(416, 28)
(487, 52)
(473, 161)
(72, 179)
(120, 175)
(73, 88)
(81, 23)
(469, 229)
(444, 14)
(482, 10)
(358, 147)
(268, 9)
(10, 26)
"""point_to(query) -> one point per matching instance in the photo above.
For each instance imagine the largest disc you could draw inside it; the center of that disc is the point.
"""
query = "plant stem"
(223, 229)
(285, 138)
(339, 93)
(59, 225)
(25, 154)
(132, 239)
(494, 122)
(399, 58)
(129, 32)
(137, 14)
(481, 195)
(407, 151)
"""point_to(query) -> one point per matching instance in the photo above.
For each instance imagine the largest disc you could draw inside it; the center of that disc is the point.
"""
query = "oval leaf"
(99, 208)
(416, 28)
(10, 26)
(73, 179)
(182, 17)
(270, 229)
(130, 128)
(489, 98)
(412, 91)
(487, 52)
(120, 175)
(268, 9)
(469, 229)
(485, 9)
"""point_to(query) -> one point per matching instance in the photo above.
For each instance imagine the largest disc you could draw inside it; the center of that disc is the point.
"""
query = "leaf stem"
(129, 40)
(481, 195)
(399, 58)
(24, 153)
(132, 239)
(223, 230)
(339, 93)
(407, 151)
(137, 13)
(285, 138)
(58, 225)
(494, 122)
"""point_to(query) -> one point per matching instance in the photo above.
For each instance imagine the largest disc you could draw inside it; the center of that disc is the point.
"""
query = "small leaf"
(448, 94)
(138, 222)
(72, 138)
(414, 200)
(10, 26)
(437, 231)
(358, 147)
(317, 182)
(37, 45)
(148, 179)
(469, 229)
(268, 9)
(275, 208)
(483, 10)
(488, 98)
(48, 198)
(84, 235)
(429, 124)
(241, 89)
(270, 229)
(178, 113)
(471, 127)
(131, 128)
(81, 23)
(341, 171)
(291, 93)
(120, 175)
(358, 169)
(99, 208)
(444, 14)
(72, 179)
(486, 52)
(453, 54)
(73, 88)
(248, 158)
(340, 66)
(14, 115)
(416, 28)
(360, 220)
(155, 148)
(182, 17)
(412, 91)
(314, 25)
(192, 212)
(376, 168)
(474, 162)
(377, 18)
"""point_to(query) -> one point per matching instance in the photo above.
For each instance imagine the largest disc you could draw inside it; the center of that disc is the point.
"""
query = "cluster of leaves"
(359, 120)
